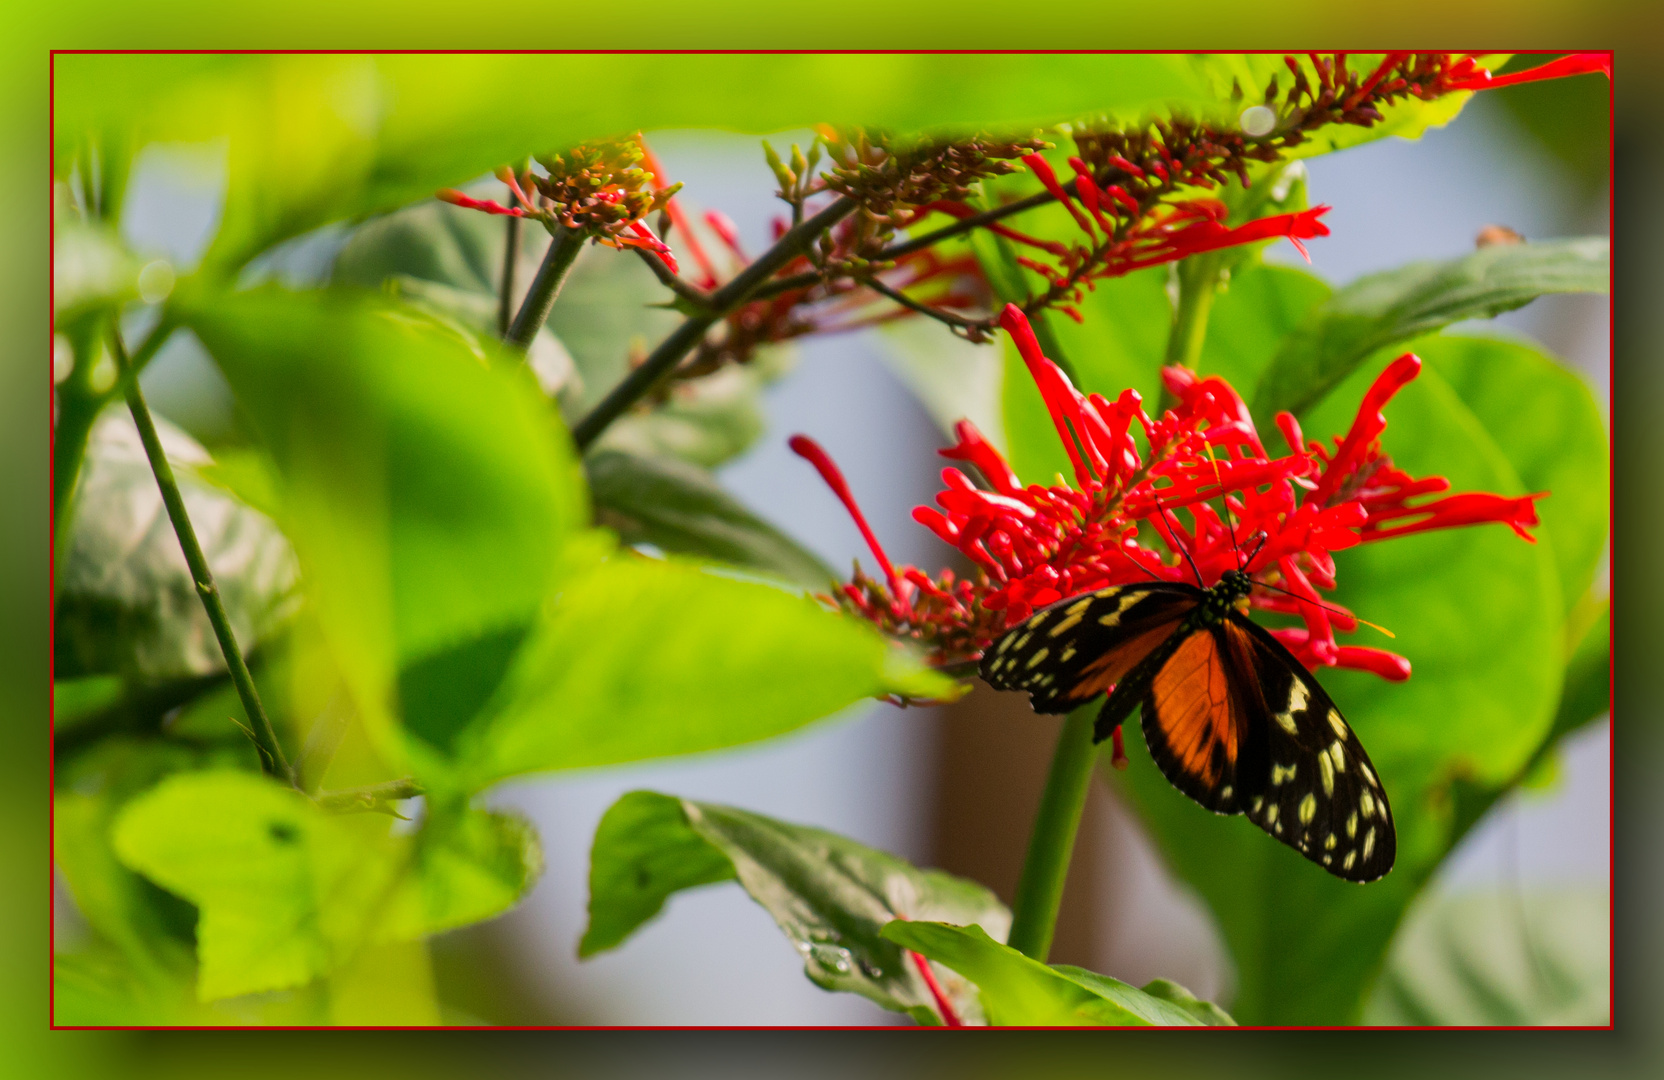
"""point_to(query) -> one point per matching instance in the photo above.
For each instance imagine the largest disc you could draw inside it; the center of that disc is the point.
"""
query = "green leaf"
(126, 601)
(1016, 990)
(641, 658)
(1545, 419)
(313, 139)
(288, 893)
(1381, 310)
(680, 508)
(1207, 1012)
(644, 851)
(1587, 693)
(1477, 612)
(428, 492)
(952, 378)
(830, 895)
(1252, 315)
(1494, 958)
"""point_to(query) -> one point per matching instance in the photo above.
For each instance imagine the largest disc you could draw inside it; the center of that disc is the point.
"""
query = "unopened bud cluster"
(600, 189)
(892, 181)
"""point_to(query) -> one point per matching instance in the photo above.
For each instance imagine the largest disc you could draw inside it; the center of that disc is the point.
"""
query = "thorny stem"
(662, 360)
(1046, 867)
(272, 761)
(540, 298)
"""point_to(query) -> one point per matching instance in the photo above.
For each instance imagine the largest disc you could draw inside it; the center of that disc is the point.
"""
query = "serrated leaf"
(680, 508)
(126, 601)
(1019, 991)
(830, 895)
(1381, 310)
(289, 893)
(643, 658)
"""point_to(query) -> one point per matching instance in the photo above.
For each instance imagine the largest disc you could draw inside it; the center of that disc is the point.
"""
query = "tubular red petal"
(809, 450)
(1574, 64)
(1043, 171)
(1380, 662)
(979, 452)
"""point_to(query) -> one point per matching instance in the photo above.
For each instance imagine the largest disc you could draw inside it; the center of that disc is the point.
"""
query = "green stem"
(511, 256)
(272, 761)
(1198, 278)
(540, 298)
(662, 360)
(1046, 867)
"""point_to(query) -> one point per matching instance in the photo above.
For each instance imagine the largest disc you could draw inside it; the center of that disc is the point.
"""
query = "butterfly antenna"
(1225, 507)
(1173, 539)
(1326, 607)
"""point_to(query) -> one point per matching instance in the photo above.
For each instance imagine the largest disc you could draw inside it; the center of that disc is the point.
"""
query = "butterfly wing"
(1068, 653)
(1196, 723)
(1303, 776)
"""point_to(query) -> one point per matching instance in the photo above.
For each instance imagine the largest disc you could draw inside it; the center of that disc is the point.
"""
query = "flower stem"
(272, 761)
(1040, 889)
(1198, 278)
(662, 360)
(540, 298)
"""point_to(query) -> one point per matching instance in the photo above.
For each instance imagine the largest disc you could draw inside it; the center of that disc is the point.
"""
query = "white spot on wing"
(1039, 655)
(1308, 808)
(1337, 723)
(1326, 773)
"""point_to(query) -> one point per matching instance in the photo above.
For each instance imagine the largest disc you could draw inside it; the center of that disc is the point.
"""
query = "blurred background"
(956, 787)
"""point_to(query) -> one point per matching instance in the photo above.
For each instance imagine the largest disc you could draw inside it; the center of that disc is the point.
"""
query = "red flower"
(1465, 74)
(1035, 545)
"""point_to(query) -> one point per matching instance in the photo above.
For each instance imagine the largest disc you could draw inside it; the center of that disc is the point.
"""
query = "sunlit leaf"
(289, 893)
(642, 658)
(1016, 990)
(830, 895)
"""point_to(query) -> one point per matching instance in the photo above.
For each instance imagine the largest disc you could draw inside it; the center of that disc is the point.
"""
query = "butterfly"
(1231, 717)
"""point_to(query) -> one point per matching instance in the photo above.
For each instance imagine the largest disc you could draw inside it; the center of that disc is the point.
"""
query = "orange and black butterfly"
(1230, 716)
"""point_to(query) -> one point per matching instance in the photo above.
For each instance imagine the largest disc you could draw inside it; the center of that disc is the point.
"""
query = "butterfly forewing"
(1317, 791)
(1066, 654)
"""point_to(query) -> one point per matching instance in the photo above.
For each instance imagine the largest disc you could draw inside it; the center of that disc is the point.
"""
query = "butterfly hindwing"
(1068, 653)
(1196, 725)
(1317, 790)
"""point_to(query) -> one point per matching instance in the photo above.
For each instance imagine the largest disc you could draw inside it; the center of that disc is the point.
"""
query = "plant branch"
(906, 301)
(1046, 867)
(698, 298)
(272, 761)
(540, 298)
(662, 360)
(1198, 278)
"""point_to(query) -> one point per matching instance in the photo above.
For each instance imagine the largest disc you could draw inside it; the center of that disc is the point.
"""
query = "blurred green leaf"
(1497, 957)
(126, 600)
(830, 895)
(1587, 694)
(288, 893)
(1380, 310)
(680, 508)
(428, 492)
(1018, 991)
(1543, 416)
(1570, 119)
(642, 658)
(313, 139)
(91, 270)
(1477, 612)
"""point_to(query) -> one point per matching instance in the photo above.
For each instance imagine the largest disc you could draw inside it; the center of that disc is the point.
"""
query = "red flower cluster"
(1034, 545)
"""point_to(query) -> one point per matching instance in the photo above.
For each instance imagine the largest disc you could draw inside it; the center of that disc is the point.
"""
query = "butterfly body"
(1231, 718)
